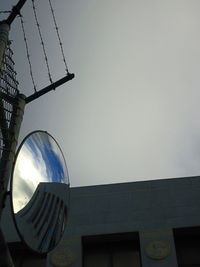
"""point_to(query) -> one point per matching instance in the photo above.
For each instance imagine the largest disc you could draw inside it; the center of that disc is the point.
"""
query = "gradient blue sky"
(132, 112)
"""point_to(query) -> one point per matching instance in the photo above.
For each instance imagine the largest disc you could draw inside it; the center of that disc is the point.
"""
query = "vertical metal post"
(8, 157)
(5, 171)
(4, 31)
(5, 257)
(15, 126)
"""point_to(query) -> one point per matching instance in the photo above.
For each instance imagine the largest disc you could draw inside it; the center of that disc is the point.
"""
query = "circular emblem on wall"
(157, 249)
(63, 257)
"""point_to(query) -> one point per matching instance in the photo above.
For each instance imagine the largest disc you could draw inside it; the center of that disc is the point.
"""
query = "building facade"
(151, 223)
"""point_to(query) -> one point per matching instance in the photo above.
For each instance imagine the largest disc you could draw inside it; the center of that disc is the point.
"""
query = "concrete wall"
(146, 207)
(159, 204)
(158, 249)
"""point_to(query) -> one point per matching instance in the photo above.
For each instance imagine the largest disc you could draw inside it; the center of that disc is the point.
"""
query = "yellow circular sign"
(158, 249)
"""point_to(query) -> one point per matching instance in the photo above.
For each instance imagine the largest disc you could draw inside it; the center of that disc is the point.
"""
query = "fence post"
(4, 31)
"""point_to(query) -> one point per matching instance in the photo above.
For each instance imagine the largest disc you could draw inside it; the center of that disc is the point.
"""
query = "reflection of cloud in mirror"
(39, 160)
(43, 144)
(27, 175)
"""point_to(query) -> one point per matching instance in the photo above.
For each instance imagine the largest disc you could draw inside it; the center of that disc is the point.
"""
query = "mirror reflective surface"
(40, 192)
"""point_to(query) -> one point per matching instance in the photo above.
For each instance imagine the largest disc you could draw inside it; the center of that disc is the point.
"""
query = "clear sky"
(132, 112)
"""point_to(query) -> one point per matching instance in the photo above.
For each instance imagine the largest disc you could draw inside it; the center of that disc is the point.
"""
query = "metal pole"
(5, 257)
(5, 172)
(4, 31)
(15, 124)
(17, 116)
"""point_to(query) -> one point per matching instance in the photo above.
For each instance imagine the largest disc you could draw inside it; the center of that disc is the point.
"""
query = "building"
(151, 223)
(42, 221)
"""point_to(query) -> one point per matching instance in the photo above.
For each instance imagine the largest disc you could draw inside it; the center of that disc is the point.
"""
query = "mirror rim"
(11, 189)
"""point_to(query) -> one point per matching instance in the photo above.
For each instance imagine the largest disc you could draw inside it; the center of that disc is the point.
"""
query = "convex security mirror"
(40, 192)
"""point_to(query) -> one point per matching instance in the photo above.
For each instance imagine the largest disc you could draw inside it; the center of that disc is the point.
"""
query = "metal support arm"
(50, 87)
(15, 11)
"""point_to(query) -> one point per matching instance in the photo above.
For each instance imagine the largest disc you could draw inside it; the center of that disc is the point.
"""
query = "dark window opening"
(187, 243)
(113, 250)
(24, 257)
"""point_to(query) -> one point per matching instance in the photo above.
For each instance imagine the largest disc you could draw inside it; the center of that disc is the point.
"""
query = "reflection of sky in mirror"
(39, 160)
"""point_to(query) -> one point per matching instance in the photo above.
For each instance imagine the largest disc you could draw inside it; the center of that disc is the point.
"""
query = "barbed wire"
(58, 34)
(42, 43)
(27, 53)
(41, 39)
